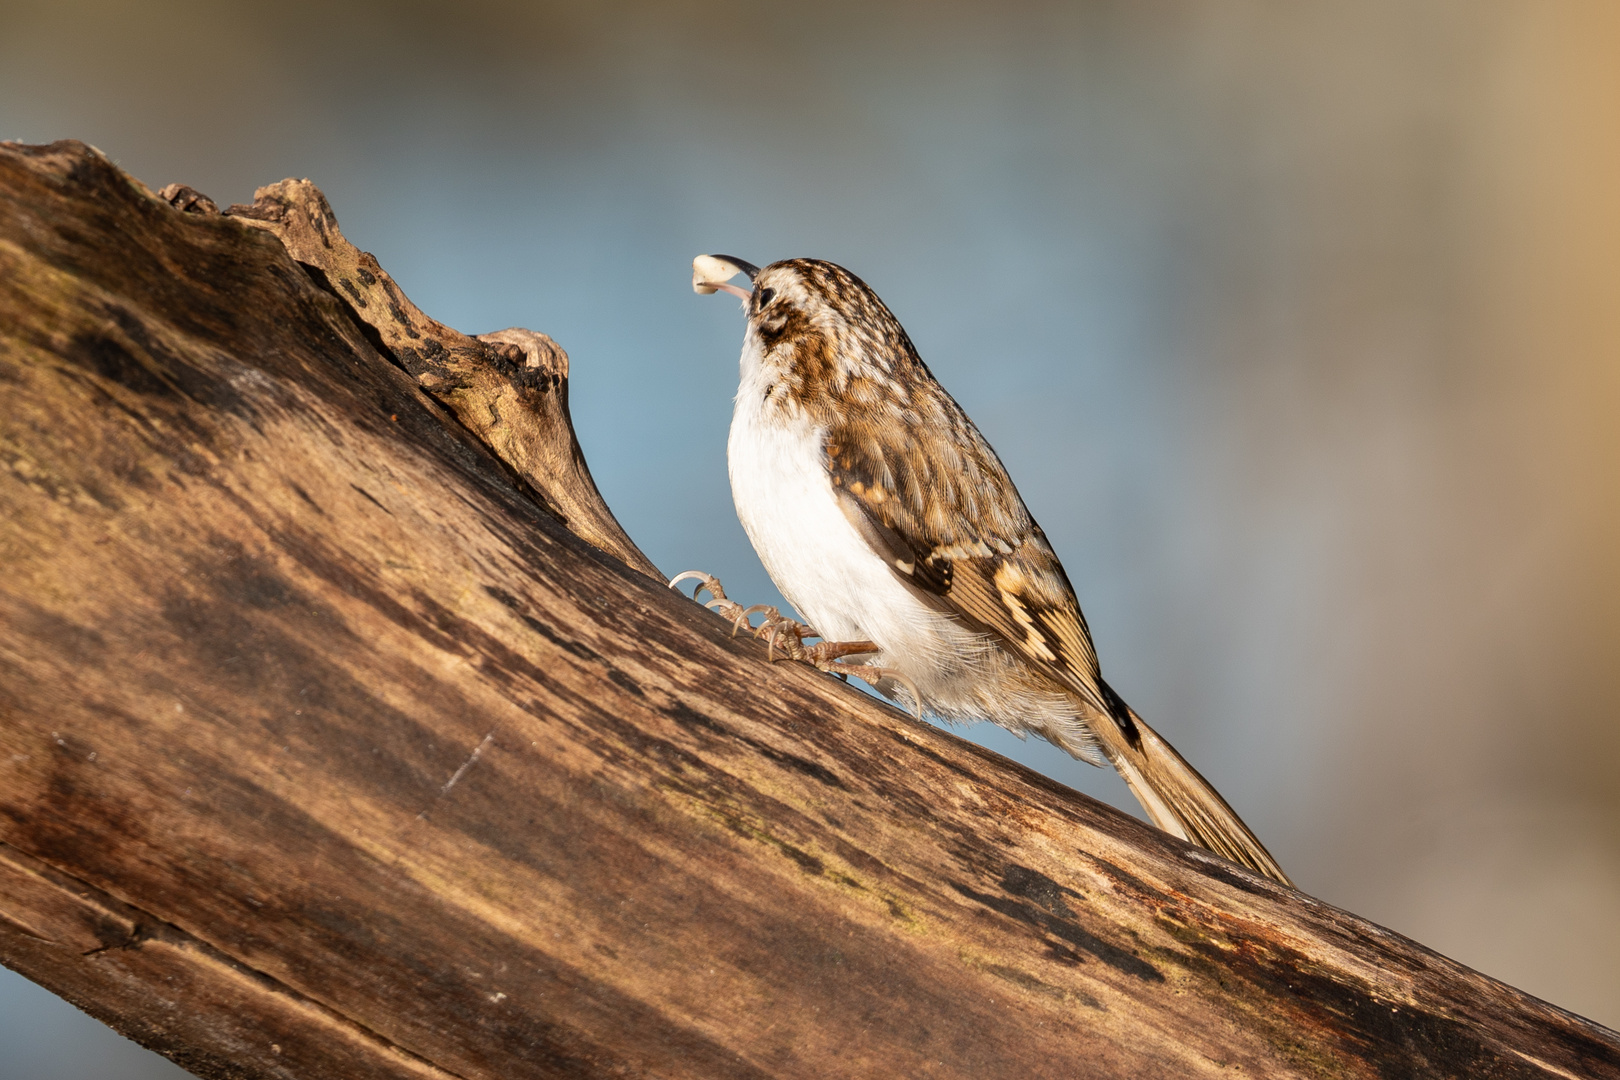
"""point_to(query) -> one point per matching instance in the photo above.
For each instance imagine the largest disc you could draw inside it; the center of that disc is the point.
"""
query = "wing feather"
(964, 537)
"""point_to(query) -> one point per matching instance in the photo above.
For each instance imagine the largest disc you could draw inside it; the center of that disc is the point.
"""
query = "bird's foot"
(718, 600)
(784, 639)
(782, 633)
(778, 631)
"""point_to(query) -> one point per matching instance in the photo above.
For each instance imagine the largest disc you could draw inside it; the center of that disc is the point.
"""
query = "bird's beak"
(713, 273)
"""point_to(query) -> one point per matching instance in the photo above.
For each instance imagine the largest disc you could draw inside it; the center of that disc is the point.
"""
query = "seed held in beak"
(713, 273)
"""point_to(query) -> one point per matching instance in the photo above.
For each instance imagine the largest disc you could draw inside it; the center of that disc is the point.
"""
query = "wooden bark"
(328, 750)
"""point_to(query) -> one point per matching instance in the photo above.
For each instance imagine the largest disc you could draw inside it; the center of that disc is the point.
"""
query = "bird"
(888, 522)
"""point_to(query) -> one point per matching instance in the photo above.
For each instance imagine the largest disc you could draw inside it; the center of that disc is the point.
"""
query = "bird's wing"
(942, 511)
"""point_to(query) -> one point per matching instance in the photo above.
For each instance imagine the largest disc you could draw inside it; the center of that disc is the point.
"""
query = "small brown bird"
(886, 519)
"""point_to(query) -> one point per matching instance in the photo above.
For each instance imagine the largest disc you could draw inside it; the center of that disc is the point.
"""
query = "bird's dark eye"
(766, 296)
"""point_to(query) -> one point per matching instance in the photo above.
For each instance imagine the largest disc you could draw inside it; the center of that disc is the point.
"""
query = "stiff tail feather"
(1176, 798)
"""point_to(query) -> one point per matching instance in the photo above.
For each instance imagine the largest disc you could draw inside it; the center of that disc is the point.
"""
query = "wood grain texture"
(327, 751)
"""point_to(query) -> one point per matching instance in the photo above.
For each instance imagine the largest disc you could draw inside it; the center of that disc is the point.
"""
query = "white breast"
(787, 505)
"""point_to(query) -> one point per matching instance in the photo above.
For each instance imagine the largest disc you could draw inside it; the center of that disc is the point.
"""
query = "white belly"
(786, 503)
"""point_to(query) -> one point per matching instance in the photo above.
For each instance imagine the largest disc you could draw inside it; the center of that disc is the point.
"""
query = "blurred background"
(1298, 326)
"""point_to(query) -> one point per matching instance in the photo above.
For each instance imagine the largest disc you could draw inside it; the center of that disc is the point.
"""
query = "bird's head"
(818, 325)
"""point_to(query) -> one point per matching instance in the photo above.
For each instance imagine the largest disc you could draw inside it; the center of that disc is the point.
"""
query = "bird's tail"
(1176, 798)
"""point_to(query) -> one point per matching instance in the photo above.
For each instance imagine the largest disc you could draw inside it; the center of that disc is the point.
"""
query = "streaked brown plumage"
(885, 517)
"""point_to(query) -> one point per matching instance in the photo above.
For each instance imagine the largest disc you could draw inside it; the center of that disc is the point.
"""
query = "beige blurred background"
(1298, 325)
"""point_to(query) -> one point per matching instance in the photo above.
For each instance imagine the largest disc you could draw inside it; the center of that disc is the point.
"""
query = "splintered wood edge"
(509, 388)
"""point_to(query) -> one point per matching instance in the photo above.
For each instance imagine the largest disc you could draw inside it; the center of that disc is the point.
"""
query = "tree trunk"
(343, 733)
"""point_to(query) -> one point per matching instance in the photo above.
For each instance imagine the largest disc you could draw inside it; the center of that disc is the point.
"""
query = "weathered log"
(327, 750)
(510, 388)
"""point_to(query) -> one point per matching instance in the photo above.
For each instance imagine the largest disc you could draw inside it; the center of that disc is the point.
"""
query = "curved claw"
(742, 616)
(916, 695)
(686, 574)
(708, 583)
(874, 675)
(772, 631)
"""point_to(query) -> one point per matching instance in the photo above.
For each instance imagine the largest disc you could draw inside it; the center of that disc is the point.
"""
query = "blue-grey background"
(1298, 325)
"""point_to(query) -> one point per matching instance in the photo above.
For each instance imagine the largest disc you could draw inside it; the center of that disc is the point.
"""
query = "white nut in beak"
(709, 273)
